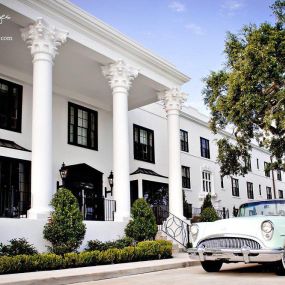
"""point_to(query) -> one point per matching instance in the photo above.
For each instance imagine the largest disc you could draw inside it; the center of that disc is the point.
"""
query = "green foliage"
(248, 95)
(17, 247)
(143, 225)
(65, 229)
(207, 203)
(209, 215)
(143, 251)
(99, 245)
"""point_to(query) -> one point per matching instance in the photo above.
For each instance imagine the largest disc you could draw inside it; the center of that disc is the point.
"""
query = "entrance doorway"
(15, 187)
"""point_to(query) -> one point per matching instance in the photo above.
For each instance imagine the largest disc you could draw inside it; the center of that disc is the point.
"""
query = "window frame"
(268, 193)
(280, 196)
(250, 191)
(186, 180)
(75, 127)
(279, 174)
(12, 85)
(184, 143)
(235, 187)
(266, 173)
(205, 151)
(207, 186)
(137, 156)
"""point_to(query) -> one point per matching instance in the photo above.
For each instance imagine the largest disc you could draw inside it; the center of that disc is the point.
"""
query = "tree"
(142, 226)
(207, 203)
(248, 95)
(65, 229)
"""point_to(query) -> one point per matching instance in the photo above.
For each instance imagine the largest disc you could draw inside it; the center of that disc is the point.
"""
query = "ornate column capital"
(120, 74)
(172, 99)
(40, 37)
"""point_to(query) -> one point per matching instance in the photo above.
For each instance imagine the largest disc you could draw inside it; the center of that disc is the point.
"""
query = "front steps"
(176, 247)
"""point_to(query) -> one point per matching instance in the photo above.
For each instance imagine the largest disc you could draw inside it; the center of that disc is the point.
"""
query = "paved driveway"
(232, 274)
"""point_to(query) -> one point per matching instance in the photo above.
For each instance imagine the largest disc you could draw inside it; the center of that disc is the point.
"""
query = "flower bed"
(146, 250)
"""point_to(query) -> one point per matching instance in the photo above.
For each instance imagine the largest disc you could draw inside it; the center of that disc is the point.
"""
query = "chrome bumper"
(244, 254)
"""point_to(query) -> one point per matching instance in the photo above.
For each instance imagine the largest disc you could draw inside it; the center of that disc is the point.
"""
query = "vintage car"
(256, 235)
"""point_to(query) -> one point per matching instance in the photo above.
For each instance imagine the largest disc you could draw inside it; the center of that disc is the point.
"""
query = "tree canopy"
(248, 94)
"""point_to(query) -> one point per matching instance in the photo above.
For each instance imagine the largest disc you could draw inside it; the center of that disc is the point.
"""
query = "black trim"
(186, 182)
(235, 188)
(9, 108)
(205, 148)
(75, 126)
(184, 141)
(249, 187)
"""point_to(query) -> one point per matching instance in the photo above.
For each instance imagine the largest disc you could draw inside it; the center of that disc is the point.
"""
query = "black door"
(15, 189)
(134, 191)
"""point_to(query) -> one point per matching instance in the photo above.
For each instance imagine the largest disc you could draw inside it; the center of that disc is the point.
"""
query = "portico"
(87, 63)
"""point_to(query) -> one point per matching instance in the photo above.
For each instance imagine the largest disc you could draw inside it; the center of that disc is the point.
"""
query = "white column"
(43, 41)
(173, 100)
(120, 77)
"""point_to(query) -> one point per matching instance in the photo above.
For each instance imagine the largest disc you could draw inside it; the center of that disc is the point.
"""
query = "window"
(10, 106)
(235, 187)
(259, 188)
(248, 163)
(184, 141)
(222, 181)
(82, 126)
(143, 144)
(266, 171)
(186, 177)
(250, 194)
(206, 180)
(268, 193)
(205, 148)
(280, 194)
(257, 163)
(279, 176)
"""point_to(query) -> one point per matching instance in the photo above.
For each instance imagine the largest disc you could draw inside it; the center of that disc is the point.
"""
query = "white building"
(74, 90)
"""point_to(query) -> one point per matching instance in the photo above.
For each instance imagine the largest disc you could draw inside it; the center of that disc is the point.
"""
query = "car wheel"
(280, 268)
(212, 266)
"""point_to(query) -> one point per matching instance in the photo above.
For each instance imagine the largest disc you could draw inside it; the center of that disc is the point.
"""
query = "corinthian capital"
(173, 99)
(119, 74)
(43, 38)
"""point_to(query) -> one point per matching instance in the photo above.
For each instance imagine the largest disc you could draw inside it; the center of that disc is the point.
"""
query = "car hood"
(249, 227)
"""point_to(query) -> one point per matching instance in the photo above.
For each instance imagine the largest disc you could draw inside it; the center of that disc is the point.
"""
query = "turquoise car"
(257, 235)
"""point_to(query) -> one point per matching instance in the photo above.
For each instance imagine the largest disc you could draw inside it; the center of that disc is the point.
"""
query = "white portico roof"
(91, 44)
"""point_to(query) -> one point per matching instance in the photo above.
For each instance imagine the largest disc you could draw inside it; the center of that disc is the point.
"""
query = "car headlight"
(194, 230)
(267, 229)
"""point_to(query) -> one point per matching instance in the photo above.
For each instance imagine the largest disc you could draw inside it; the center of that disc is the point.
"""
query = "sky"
(190, 34)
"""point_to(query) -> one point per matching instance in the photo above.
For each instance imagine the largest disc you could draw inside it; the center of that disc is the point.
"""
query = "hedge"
(146, 250)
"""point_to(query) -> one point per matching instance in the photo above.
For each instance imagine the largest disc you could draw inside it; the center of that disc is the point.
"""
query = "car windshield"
(263, 208)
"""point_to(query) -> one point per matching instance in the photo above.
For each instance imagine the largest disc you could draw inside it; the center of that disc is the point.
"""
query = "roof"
(11, 144)
(146, 171)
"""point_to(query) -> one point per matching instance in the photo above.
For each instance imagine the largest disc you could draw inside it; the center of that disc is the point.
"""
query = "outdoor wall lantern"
(111, 183)
(63, 173)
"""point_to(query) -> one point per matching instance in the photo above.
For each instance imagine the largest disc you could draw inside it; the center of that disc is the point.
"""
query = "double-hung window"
(206, 181)
(143, 144)
(280, 194)
(266, 170)
(268, 192)
(249, 187)
(235, 187)
(184, 141)
(10, 106)
(279, 175)
(82, 126)
(205, 147)
(186, 177)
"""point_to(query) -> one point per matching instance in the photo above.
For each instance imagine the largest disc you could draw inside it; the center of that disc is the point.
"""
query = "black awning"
(146, 171)
(11, 144)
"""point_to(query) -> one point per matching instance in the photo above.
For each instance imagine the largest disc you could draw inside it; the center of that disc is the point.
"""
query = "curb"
(85, 274)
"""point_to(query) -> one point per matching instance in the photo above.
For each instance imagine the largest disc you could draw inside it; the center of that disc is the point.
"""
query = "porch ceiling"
(77, 69)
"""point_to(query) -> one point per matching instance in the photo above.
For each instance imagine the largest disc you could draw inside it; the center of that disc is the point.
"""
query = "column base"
(39, 213)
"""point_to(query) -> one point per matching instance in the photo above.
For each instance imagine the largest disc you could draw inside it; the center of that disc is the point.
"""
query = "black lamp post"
(63, 173)
(111, 183)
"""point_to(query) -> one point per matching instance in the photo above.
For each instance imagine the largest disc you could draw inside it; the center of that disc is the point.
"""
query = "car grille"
(229, 242)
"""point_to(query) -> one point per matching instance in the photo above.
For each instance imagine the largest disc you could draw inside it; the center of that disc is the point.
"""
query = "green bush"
(65, 229)
(143, 225)
(143, 251)
(207, 203)
(99, 245)
(209, 215)
(17, 247)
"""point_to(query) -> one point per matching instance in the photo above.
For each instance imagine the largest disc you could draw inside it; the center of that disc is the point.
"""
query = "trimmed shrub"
(17, 247)
(209, 215)
(65, 229)
(99, 245)
(143, 251)
(143, 225)
(207, 203)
